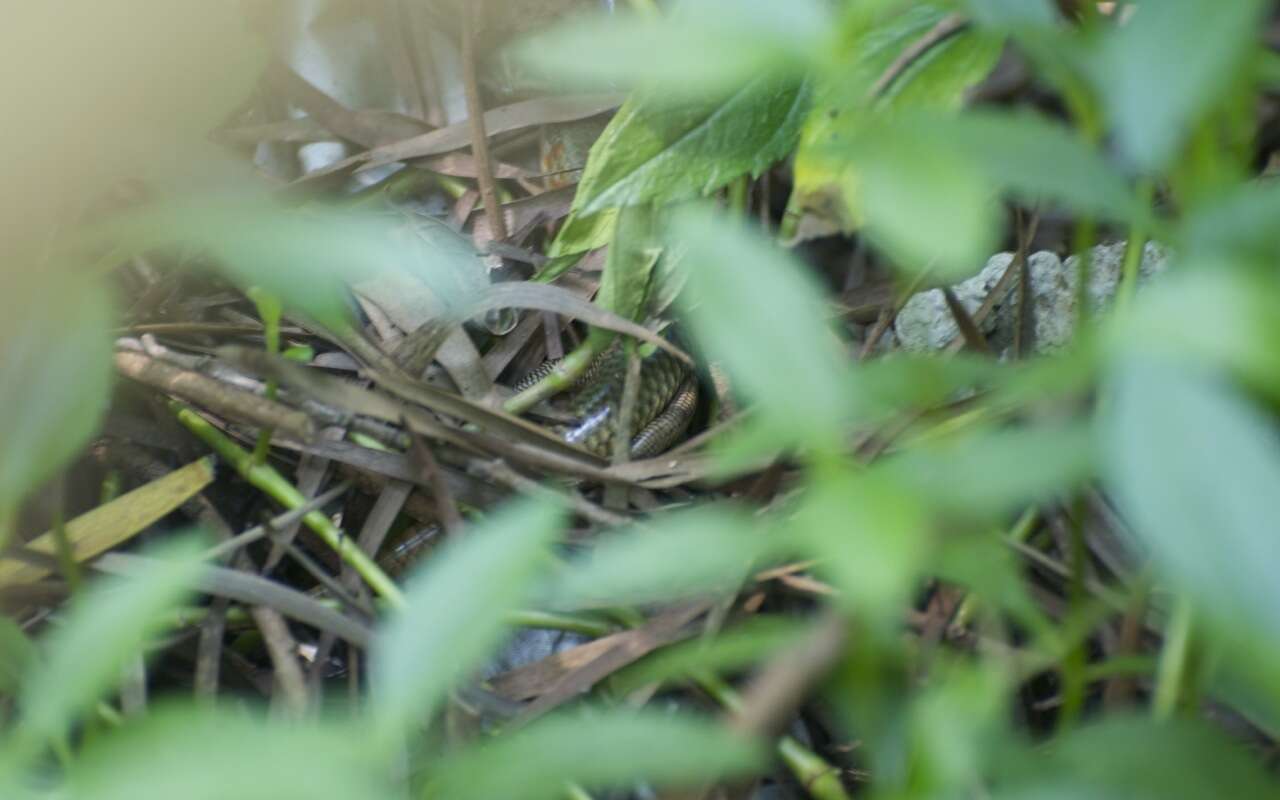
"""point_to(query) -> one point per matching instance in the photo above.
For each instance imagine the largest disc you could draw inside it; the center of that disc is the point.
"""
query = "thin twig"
(475, 116)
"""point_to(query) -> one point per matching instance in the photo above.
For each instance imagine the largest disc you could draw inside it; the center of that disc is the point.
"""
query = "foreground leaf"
(596, 749)
(656, 150)
(207, 754)
(55, 372)
(786, 359)
(1194, 467)
(106, 625)
(457, 608)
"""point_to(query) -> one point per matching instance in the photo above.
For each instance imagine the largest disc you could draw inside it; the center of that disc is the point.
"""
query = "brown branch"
(475, 116)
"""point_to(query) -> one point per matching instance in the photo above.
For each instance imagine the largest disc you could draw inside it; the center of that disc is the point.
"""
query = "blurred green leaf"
(1194, 467)
(1210, 312)
(55, 373)
(106, 625)
(1164, 67)
(870, 538)
(1239, 224)
(749, 643)
(456, 612)
(1034, 159)
(1012, 13)
(658, 150)
(677, 555)
(735, 275)
(955, 725)
(17, 654)
(596, 749)
(140, 84)
(1113, 761)
(929, 208)
(306, 257)
(827, 180)
(699, 47)
(211, 754)
(991, 472)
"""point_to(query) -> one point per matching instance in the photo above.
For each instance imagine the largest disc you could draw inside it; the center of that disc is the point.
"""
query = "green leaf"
(827, 181)
(929, 209)
(1239, 223)
(1194, 467)
(17, 654)
(656, 150)
(752, 642)
(699, 47)
(211, 754)
(1112, 761)
(1012, 13)
(735, 274)
(870, 538)
(1236, 322)
(306, 257)
(991, 472)
(1162, 69)
(55, 374)
(106, 625)
(1034, 158)
(628, 271)
(705, 550)
(578, 235)
(456, 612)
(602, 748)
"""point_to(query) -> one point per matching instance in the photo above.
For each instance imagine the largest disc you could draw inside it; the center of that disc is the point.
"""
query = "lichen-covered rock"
(925, 322)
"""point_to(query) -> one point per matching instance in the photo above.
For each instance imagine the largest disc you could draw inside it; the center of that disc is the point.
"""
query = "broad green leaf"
(17, 654)
(107, 625)
(1169, 63)
(785, 358)
(1033, 158)
(1194, 467)
(1240, 224)
(930, 209)
(700, 551)
(211, 754)
(657, 149)
(456, 612)
(599, 748)
(1012, 13)
(306, 257)
(955, 724)
(1236, 325)
(1112, 760)
(743, 646)
(699, 47)
(991, 472)
(628, 271)
(827, 180)
(870, 538)
(55, 373)
(576, 236)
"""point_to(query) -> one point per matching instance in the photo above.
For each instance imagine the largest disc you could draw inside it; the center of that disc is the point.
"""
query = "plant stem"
(265, 478)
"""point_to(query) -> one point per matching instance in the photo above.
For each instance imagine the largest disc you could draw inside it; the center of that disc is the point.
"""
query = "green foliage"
(897, 471)
(55, 372)
(489, 575)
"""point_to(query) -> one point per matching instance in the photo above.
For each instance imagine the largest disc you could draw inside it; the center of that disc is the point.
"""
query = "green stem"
(1174, 670)
(1133, 251)
(265, 478)
(270, 310)
(570, 368)
(820, 779)
(1073, 666)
